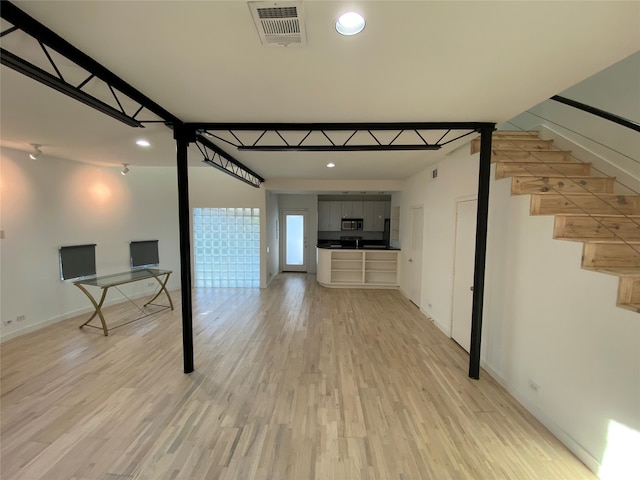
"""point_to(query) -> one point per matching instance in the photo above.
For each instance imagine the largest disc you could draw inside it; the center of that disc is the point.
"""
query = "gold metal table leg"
(97, 306)
(163, 287)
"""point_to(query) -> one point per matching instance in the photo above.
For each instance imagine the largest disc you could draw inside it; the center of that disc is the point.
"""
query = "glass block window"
(227, 247)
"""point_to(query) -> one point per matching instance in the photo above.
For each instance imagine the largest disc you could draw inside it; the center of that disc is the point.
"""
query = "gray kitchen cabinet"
(352, 209)
(379, 215)
(329, 216)
(368, 217)
(374, 215)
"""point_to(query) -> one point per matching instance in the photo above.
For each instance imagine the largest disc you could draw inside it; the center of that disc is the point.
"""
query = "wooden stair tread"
(516, 133)
(569, 203)
(528, 144)
(607, 195)
(600, 228)
(629, 293)
(541, 156)
(599, 215)
(579, 177)
(599, 240)
(518, 141)
(528, 184)
(611, 254)
(538, 169)
(560, 164)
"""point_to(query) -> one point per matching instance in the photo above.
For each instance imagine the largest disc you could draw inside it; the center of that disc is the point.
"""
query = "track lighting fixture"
(125, 169)
(36, 151)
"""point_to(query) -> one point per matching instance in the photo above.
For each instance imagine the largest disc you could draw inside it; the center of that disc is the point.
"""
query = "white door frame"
(283, 240)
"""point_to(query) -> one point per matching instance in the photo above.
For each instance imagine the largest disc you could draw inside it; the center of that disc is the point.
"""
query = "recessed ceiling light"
(331, 165)
(350, 23)
(143, 143)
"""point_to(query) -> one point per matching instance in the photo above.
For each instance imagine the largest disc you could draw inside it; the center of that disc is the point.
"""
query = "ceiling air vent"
(279, 24)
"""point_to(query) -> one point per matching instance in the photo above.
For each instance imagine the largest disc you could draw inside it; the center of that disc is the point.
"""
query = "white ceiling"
(416, 61)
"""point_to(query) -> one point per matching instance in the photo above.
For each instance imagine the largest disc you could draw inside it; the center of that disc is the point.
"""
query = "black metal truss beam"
(326, 140)
(476, 126)
(47, 38)
(16, 63)
(226, 163)
(338, 148)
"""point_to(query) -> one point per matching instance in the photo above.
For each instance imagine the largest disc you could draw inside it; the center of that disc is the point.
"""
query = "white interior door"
(294, 236)
(414, 261)
(464, 264)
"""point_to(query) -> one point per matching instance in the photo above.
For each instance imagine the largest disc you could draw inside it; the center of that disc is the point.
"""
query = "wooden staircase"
(585, 206)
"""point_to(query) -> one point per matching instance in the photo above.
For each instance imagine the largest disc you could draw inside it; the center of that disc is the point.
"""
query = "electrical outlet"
(21, 318)
(534, 386)
(6, 323)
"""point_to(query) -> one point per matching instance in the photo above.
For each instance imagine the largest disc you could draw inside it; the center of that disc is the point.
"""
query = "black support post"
(484, 176)
(183, 137)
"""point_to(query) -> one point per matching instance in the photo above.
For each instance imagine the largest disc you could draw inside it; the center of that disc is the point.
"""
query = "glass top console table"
(105, 282)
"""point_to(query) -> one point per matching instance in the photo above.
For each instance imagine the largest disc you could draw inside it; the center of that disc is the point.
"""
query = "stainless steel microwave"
(351, 224)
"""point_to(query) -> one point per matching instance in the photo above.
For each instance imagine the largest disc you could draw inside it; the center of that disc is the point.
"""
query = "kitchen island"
(366, 267)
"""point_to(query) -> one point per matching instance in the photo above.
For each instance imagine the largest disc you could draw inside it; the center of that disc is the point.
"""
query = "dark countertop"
(330, 246)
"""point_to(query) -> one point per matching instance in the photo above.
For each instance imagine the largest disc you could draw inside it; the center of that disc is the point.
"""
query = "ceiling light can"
(331, 165)
(350, 23)
(143, 143)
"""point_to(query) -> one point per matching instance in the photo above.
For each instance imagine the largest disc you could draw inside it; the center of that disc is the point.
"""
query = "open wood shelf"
(364, 268)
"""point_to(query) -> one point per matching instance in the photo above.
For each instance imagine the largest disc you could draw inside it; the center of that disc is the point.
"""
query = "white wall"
(457, 178)
(52, 202)
(546, 321)
(49, 203)
(549, 322)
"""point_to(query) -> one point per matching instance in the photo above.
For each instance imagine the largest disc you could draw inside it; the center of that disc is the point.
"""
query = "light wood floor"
(293, 382)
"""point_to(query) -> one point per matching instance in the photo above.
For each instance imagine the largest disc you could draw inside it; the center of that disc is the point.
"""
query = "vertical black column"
(484, 177)
(182, 137)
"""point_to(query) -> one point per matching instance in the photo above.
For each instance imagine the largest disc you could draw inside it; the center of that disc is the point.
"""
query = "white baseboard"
(446, 329)
(575, 447)
(60, 318)
(441, 326)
